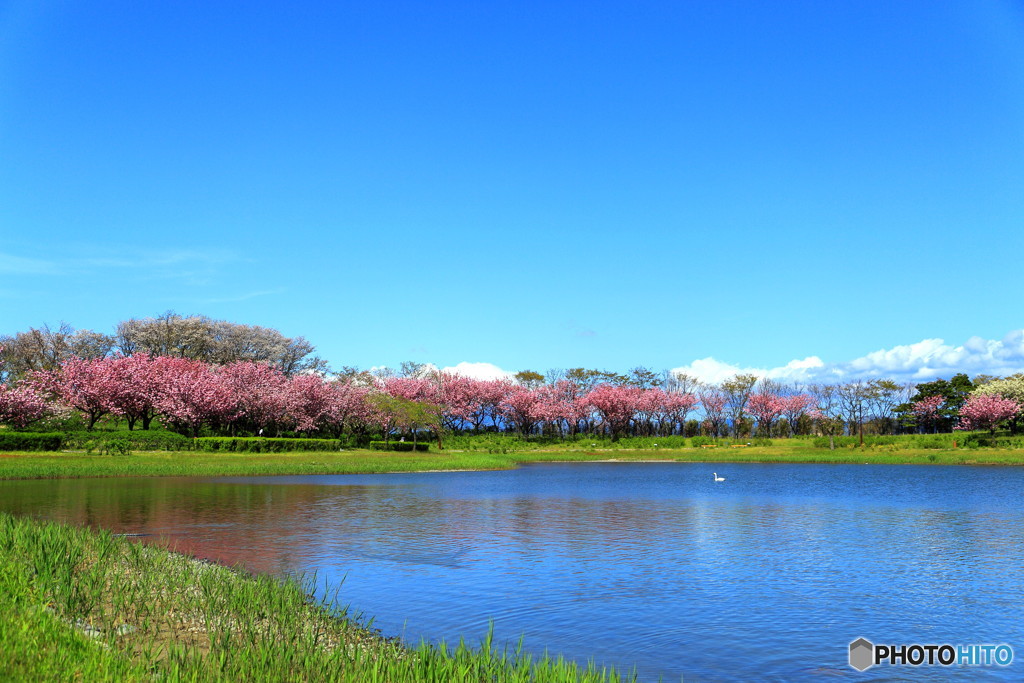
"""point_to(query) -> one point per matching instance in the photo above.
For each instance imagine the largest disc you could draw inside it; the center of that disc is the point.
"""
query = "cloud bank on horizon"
(920, 362)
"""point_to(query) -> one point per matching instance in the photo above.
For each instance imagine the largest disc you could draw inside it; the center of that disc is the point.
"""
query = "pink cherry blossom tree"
(489, 402)
(796, 406)
(675, 407)
(986, 411)
(350, 409)
(85, 385)
(559, 407)
(617, 405)
(766, 407)
(261, 393)
(647, 410)
(194, 394)
(137, 383)
(713, 402)
(412, 388)
(21, 406)
(522, 409)
(927, 411)
(572, 401)
(457, 397)
(308, 400)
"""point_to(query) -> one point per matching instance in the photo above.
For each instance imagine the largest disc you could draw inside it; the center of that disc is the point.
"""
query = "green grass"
(83, 605)
(59, 465)
(32, 465)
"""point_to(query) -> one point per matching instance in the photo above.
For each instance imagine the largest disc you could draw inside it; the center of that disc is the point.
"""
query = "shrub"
(30, 441)
(986, 441)
(64, 422)
(117, 446)
(256, 444)
(888, 442)
(652, 442)
(401, 446)
(699, 441)
(137, 440)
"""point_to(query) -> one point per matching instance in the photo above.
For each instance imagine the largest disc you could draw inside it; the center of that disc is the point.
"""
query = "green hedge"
(30, 441)
(257, 444)
(137, 440)
(401, 446)
(984, 440)
(140, 440)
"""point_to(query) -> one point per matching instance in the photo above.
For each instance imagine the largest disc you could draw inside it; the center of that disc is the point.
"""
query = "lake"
(768, 575)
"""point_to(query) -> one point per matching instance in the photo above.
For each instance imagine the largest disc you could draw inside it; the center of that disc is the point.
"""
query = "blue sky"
(530, 185)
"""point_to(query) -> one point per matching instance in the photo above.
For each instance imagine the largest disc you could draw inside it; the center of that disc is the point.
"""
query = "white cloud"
(921, 361)
(479, 371)
(472, 370)
(713, 371)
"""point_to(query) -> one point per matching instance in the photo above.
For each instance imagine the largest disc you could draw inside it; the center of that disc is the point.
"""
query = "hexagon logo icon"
(862, 654)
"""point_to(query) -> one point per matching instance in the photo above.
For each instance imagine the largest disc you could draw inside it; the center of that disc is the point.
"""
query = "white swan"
(718, 478)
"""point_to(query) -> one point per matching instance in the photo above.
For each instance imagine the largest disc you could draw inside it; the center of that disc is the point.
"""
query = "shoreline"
(24, 465)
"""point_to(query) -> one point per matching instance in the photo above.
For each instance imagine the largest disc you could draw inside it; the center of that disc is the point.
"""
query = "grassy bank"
(57, 465)
(73, 465)
(83, 605)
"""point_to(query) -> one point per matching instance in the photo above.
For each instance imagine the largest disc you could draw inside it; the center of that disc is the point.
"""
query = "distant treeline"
(202, 376)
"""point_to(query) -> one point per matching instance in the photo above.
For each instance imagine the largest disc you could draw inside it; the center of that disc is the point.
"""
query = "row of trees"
(197, 372)
(246, 397)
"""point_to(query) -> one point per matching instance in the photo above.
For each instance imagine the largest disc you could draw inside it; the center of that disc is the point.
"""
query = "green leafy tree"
(827, 411)
(394, 413)
(953, 392)
(737, 390)
(529, 379)
(884, 397)
(644, 378)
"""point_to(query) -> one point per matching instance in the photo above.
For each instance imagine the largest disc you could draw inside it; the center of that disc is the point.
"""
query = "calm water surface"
(766, 576)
